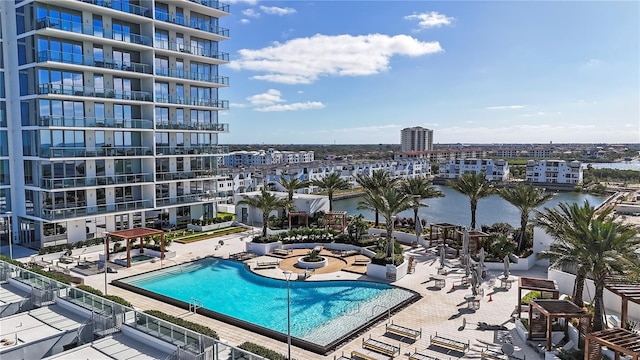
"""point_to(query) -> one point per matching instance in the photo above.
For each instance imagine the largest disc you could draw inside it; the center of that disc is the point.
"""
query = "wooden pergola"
(548, 289)
(299, 214)
(552, 309)
(447, 230)
(627, 292)
(336, 220)
(476, 237)
(618, 340)
(133, 234)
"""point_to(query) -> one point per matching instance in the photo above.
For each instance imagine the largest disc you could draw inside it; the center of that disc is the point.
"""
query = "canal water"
(454, 208)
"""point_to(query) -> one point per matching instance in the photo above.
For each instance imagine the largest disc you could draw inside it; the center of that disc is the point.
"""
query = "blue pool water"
(321, 312)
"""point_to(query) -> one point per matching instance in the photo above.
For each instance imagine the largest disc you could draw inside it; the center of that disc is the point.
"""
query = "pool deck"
(441, 309)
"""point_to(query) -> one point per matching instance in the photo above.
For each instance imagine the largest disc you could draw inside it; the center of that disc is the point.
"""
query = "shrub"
(261, 351)
(184, 323)
(11, 261)
(531, 295)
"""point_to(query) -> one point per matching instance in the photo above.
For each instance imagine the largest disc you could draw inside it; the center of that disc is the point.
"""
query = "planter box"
(209, 227)
(401, 237)
(387, 272)
(262, 249)
(523, 264)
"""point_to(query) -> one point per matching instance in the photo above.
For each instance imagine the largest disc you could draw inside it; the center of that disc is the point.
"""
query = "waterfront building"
(442, 155)
(416, 139)
(269, 157)
(495, 170)
(554, 172)
(111, 115)
(536, 152)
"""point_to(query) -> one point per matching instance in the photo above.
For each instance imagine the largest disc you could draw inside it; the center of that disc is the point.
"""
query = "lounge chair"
(403, 331)
(380, 347)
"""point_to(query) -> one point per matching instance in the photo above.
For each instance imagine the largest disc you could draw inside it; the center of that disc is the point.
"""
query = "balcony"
(65, 183)
(86, 152)
(217, 127)
(188, 175)
(192, 150)
(182, 100)
(193, 23)
(71, 90)
(193, 50)
(189, 75)
(214, 4)
(78, 28)
(123, 6)
(67, 213)
(183, 199)
(65, 121)
(79, 59)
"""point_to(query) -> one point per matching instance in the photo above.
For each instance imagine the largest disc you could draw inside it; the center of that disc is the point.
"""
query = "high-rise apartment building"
(416, 139)
(109, 115)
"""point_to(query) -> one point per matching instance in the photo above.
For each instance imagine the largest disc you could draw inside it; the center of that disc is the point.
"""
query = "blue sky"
(357, 72)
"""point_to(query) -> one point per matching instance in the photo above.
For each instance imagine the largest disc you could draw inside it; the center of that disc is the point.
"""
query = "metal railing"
(65, 213)
(214, 4)
(183, 199)
(63, 183)
(193, 23)
(110, 151)
(123, 6)
(187, 175)
(192, 150)
(183, 100)
(72, 90)
(192, 75)
(79, 59)
(70, 121)
(48, 22)
(193, 50)
(193, 126)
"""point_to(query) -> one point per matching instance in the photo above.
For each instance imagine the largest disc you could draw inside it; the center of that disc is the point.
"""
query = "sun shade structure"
(548, 289)
(627, 292)
(476, 238)
(336, 220)
(618, 340)
(297, 215)
(549, 309)
(443, 231)
(133, 234)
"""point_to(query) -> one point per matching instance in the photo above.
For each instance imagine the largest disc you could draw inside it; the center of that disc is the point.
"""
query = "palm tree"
(612, 247)
(568, 225)
(265, 202)
(330, 183)
(419, 188)
(475, 187)
(389, 202)
(525, 198)
(377, 180)
(292, 185)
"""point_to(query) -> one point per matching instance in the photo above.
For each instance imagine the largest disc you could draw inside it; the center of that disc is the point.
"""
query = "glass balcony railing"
(183, 199)
(63, 183)
(214, 4)
(110, 151)
(183, 100)
(65, 213)
(193, 23)
(67, 121)
(194, 50)
(190, 75)
(193, 126)
(123, 6)
(48, 22)
(71, 90)
(192, 150)
(79, 59)
(186, 175)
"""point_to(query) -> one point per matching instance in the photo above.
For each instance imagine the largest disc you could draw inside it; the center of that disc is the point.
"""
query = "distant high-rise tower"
(416, 139)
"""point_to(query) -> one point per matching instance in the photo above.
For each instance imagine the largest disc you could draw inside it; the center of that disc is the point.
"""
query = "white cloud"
(244, 21)
(274, 10)
(250, 13)
(271, 97)
(429, 20)
(505, 107)
(309, 105)
(591, 64)
(237, 105)
(539, 113)
(304, 60)
(248, 2)
(300, 92)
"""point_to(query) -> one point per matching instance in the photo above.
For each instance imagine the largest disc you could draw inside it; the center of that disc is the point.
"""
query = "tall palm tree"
(568, 225)
(525, 198)
(293, 184)
(475, 187)
(419, 188)
(265, 202)
(612, 247)
(330, 183)
(374, 182)
(389, 201)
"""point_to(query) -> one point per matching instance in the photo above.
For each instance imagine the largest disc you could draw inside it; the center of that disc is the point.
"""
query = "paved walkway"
(441, 310)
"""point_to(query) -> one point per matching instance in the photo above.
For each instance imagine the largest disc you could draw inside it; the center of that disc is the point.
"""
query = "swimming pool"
(323, 313)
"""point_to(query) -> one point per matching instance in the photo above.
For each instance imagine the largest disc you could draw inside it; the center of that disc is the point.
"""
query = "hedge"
(208, 235)
(184, 323)
(261, 351)
(11, 261)
(531, 295)
(114, 298)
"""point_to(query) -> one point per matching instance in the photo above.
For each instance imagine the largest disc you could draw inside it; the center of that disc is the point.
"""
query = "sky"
(357, 72)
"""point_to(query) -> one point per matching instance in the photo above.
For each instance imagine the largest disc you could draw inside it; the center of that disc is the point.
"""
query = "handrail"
(384, 307)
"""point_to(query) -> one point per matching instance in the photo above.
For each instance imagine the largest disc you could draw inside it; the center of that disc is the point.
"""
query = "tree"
(330, 183)
(526, 199)
(389, 202)
(377, 180)
(475, 187)
(419, 188)
(292, 185)
(265, 202)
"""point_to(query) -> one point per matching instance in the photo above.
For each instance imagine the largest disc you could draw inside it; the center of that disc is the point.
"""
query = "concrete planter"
(401, 237)
(312, 264)
(387, 272)
(262, 248)
(523, 264)
(209, 227)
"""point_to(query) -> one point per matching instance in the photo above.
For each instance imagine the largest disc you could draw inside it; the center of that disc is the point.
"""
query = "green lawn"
(209, 235)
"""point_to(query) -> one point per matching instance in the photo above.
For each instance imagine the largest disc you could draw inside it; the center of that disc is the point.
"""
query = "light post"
(287, 275)
(10, 236)
(106, 254)
(392, 243)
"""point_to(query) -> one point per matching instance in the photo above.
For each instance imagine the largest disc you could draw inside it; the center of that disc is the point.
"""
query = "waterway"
(622, 165)
(454, 208)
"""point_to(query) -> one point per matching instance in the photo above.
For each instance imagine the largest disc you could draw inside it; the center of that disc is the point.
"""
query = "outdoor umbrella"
(419, 229)
(467, 265)
(474, 283)
(506, 274)
(442, 255)
(465, 242)
(481, 260)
